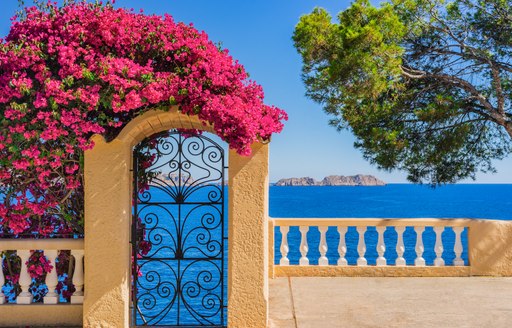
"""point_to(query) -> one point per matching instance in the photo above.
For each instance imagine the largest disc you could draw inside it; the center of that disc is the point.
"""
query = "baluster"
(304, 245)
(78, 277)
(400, 249)
(361, 247)
(419, 261)
(439, 247)
(381, 247)
(457, 248)
(2, 279)
(25, 297)
(322, 248)
(342, 247)
(51, 278)
(284, 246)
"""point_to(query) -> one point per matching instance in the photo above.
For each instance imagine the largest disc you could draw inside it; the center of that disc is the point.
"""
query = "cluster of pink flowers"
(68, 73)
(38, 265)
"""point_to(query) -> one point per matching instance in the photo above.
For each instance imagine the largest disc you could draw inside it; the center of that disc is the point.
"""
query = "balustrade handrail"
(41, 244)
(374, 222)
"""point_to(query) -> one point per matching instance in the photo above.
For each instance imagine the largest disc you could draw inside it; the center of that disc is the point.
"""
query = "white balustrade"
(78, 276)
(419, 261)
(439, 247)
(284, 246)
(457, 248)
(25, 297)
(342, 246)
(361, 226)
(304, 245)
(361, 247)
(400, 249)
(381, 247)
(24, 249)
(2, 279)
(322, 247)
(51, 278)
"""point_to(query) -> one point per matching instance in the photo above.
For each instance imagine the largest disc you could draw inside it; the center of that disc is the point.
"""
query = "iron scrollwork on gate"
(179, 235)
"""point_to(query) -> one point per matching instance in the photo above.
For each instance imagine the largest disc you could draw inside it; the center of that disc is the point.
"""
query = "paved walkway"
(391, 302)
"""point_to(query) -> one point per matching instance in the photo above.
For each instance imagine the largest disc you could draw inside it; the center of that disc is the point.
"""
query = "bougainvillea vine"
(69, 72)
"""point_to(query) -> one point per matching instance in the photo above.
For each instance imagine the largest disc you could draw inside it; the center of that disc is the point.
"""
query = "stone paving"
(390, 302)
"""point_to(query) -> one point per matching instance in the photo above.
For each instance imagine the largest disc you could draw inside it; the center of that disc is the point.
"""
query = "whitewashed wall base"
(51, 299)
(362, 262)
(24, 299)
(77, 299)
(381, 262)
(420, 262)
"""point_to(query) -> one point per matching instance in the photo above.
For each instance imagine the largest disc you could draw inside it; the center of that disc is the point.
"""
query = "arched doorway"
(179, 231)
(108, 217)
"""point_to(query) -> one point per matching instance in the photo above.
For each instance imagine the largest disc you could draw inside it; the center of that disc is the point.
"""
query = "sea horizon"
(476, 201)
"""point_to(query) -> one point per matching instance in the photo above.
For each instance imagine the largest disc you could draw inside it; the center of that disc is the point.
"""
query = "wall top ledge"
(360, 222)
(41, 244)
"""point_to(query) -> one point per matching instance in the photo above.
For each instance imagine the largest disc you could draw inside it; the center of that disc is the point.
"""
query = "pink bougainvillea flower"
(69, 72)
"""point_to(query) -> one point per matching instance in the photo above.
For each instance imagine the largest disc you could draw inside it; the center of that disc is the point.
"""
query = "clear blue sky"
(258, 34)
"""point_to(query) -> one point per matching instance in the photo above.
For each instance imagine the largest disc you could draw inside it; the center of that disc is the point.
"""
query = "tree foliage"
(424, 85)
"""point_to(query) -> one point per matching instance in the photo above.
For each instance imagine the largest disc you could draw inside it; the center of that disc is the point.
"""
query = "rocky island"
(333, 180)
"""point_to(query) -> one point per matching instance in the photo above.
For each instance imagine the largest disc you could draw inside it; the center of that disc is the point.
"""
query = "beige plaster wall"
(64, 315)
(107, 234)
(248, 239)
(490, 248)
(370, 271)
(108, 195)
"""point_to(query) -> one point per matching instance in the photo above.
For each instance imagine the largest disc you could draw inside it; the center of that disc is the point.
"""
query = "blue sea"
(478, 201)
(484, 201)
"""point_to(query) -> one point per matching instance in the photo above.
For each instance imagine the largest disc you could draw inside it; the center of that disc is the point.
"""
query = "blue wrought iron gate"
(179, 235)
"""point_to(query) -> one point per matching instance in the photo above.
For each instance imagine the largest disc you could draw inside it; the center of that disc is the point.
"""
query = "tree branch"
(499, 91)
(453, 80)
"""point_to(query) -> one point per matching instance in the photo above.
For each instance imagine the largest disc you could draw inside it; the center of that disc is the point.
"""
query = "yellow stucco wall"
(12, 315)
(107, 234)
(248, 239)
(371, 271)
(108, 216)
(490, 248)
